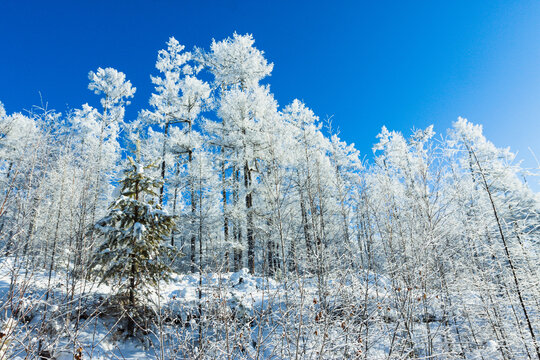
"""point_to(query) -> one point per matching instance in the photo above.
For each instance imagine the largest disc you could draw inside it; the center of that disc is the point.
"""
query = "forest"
(219, 224)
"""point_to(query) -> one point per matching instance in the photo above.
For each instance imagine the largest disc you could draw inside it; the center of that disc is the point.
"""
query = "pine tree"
(134, 230)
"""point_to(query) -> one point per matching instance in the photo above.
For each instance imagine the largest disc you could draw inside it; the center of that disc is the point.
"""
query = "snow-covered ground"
(244, 316)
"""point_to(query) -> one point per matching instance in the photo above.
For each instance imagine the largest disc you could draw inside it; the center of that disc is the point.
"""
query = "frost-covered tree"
(100, 130)
(133, 253)
(179, 98)
(238, 67)
(428, 250)
(501, 198)
(235, 62)
(95, 139)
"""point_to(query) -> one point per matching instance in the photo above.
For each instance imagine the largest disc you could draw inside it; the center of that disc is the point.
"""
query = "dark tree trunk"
(225, 218)
(238, 255)
(193, 212)
(305, 226)
(133, 274)
(249, 205)
(163, 164)
(507, 253)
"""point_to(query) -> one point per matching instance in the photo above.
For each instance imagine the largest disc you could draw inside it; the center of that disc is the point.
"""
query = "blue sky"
(402, 64)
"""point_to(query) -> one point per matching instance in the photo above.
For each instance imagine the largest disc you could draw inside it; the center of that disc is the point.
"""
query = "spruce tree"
(133, 251)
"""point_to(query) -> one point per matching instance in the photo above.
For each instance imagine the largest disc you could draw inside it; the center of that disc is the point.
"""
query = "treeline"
(449, 220)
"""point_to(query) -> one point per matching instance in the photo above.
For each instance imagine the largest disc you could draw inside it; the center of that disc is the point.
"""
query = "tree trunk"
(238, 255)
(249, 205)
(133, 273)
(507, 253)
(163, 164)
(193, 210)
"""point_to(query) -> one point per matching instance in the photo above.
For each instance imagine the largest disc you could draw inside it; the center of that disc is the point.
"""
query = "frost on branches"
(259, 232)
(134, 254)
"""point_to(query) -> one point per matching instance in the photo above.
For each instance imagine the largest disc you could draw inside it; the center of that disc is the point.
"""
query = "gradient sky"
(402, 64)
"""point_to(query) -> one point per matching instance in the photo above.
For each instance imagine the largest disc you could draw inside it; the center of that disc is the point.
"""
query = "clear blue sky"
(402, 64)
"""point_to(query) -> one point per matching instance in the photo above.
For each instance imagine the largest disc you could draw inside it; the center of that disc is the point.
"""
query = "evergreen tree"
(134, 230)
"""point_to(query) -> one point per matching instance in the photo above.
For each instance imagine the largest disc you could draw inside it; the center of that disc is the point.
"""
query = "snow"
(248, 296)
(179, 296)
(403, 257)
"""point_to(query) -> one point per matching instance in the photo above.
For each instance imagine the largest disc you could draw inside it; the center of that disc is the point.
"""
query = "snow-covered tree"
(100, 130)
(133, 253)
(179, 98)
(428, 250)
(498, 193)
(235, 62)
